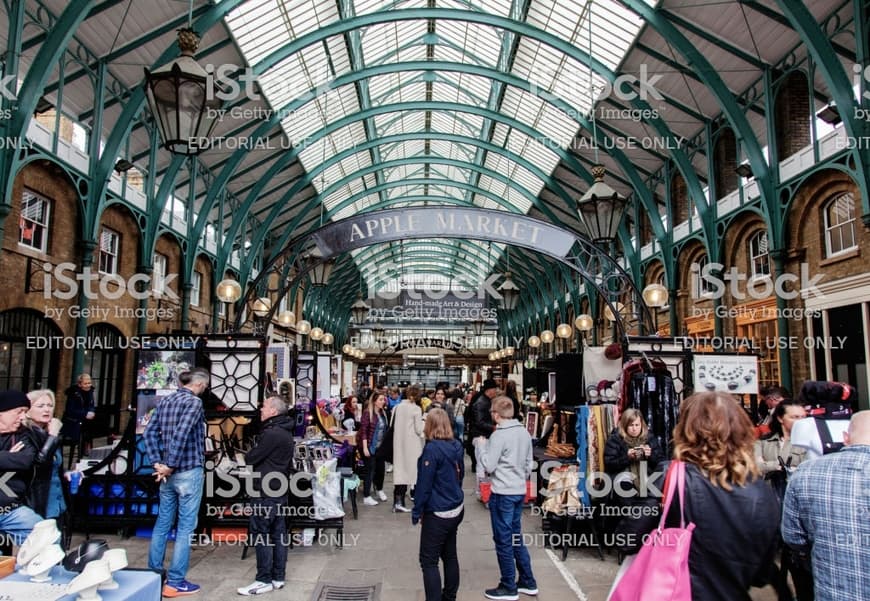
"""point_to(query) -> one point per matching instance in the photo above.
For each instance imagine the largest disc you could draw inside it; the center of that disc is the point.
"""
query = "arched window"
(839, 218)
(701, 287)
(29, 358)
(759, 256)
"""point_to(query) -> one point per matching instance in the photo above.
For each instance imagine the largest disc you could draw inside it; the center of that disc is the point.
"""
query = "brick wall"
(792, 115)
(49, 181)
(725, 159)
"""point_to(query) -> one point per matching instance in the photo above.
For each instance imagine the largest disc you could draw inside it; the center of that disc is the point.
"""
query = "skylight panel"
(480, 44)
(447, 92)
(362, 7)
(399, 122)
(391, 42)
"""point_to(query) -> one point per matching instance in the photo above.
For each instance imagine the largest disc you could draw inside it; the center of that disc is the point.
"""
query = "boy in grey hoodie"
(507, 458)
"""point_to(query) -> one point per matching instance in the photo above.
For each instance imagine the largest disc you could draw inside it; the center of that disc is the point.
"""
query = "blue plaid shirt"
(175, 436)
(827, 509)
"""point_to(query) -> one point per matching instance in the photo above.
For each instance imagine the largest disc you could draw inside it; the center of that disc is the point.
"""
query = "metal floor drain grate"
(338, 592)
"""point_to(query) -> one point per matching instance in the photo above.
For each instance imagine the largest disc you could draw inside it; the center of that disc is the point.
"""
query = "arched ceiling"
(353, 105)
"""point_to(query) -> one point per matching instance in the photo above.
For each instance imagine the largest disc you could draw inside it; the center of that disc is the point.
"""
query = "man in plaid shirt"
(826, 513)
(175, 444)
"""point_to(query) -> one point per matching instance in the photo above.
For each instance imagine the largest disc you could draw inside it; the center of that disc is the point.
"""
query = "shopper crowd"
(780, 501)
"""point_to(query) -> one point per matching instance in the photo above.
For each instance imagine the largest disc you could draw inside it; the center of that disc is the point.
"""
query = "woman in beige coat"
(407, 446)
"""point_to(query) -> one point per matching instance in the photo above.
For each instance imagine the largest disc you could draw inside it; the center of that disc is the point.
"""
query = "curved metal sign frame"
(593, 263)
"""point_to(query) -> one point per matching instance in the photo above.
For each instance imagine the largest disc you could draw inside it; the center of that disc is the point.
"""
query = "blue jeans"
(180, 493)
(506, 515)
(459, 427)
(19, 523)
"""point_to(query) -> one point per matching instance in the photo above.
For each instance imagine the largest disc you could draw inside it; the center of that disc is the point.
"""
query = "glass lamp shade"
(491, 356)
(547, 336)
(182, 100)
(601, 208)
(655, 295)
(318, 269)
(359, 311)
(286, 318)
(608, 313)
(228, 291)
(564, 330)
(584, 322)
(477, 326)
(303, 327)
(327, 339)
(316, 333)
(510, 293)
(509, 351)
(261, 306)
(534, 341)
(347, 349)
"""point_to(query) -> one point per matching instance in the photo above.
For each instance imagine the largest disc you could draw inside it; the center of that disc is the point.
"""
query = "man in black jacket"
(482, 425)
(17, 454)
(273, 454)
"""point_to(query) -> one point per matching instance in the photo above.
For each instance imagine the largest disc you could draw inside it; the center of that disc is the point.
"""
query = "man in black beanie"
(17, 454)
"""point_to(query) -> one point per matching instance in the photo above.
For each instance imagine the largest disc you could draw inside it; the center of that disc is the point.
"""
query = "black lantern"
(510, 292)
(601, 209)
(318, 269)
(359, 311)
(183, 100)
(477, 326)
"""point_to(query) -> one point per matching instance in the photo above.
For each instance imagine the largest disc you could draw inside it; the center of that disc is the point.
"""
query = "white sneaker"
(256, 588)
(277, 585)
(369, 501)
(389, 468)
(400, 508)
(381, 495)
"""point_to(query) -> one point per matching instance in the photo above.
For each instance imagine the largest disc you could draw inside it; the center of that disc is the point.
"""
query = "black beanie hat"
(13, 399)
(487, 384)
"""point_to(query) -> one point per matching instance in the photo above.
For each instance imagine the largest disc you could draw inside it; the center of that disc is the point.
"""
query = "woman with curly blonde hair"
(735, 512)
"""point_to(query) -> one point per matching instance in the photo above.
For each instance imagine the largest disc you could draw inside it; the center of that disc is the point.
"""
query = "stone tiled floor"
(381, 547)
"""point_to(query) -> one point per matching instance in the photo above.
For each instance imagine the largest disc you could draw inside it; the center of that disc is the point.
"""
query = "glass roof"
(261, 27)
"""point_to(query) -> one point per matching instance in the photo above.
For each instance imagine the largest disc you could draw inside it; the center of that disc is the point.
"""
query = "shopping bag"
(660, 571)
(327, 491)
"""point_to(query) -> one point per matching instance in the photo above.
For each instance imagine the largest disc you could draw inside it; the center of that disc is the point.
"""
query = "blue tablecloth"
(134, 585)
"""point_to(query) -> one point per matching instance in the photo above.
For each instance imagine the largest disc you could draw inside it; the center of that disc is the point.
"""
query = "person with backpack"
(824, 516)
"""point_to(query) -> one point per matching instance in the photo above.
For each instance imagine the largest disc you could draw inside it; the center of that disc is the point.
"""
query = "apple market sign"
(456, 222)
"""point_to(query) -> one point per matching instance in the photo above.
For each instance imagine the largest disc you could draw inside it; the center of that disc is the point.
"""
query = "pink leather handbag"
(660, 571)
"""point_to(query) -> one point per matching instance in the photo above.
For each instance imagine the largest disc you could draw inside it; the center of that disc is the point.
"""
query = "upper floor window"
(840, 224)
(158, 276)
(33, 225)
(702, 287)
(196, 289)
(109, 246)
(759, 255)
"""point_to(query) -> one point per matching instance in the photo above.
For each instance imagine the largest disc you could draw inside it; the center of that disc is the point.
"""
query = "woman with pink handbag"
(719, 530)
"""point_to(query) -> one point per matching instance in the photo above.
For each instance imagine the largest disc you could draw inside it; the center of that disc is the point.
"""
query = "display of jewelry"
(86, 584)
(117, 559)
(43, 535)
(39, 567)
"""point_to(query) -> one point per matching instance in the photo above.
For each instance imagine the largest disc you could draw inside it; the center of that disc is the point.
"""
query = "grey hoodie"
(507, 458)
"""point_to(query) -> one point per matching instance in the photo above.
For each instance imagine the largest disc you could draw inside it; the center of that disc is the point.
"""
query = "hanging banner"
(737, 374)
(447, 222)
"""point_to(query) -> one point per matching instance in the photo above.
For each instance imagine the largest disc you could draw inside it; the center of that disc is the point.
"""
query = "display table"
(135, 585)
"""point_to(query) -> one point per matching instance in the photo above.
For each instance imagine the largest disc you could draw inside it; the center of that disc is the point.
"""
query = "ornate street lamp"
(584, 322)
(601, 209)
(286, 318)
(318, 269)
(477, 326)
(510, 292)
(359, 311)
(183, 100)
